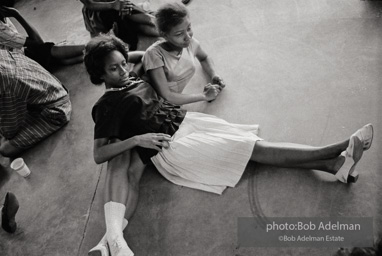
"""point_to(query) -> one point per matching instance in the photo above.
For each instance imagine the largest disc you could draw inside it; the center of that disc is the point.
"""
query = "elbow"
(203, 59)
(167, 96)
(98, 159)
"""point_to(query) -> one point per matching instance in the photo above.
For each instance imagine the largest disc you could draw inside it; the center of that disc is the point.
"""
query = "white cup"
(20, 167)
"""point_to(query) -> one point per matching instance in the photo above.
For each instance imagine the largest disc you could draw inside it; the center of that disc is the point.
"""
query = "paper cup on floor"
(20, 167)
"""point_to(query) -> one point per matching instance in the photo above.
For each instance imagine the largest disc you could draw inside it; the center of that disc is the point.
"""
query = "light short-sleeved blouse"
(178, 69)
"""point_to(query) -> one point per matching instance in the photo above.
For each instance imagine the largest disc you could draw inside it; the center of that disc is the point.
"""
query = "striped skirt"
(207, 153)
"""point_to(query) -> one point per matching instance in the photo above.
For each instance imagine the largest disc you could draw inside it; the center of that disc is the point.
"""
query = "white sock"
(114, 215)
(104, 238)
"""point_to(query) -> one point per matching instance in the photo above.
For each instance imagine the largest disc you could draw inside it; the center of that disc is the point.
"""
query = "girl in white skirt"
(134, 127)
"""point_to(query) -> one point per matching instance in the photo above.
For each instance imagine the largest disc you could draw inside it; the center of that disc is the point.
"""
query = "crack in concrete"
(89, 211)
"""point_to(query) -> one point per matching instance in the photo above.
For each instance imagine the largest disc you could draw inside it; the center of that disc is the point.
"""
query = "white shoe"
(119, 247)
(352, 154)
(99, 250)
(365, 134)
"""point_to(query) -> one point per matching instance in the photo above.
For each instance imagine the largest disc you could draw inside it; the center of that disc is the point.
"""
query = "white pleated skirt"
(207, 153)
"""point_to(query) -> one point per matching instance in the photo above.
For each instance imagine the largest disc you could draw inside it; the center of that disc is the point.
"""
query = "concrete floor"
(306, 71)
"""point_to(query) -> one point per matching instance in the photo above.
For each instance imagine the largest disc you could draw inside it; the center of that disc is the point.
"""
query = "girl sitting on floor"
(134, 126)
(47, 54)
(126, 18)
(170, 63)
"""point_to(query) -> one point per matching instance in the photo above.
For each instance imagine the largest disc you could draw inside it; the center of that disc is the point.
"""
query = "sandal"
(352, 154)
(365, 134)
(99, 250)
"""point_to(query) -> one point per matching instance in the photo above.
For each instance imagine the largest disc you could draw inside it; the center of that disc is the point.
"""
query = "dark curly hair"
(170, 15)
(96, 51)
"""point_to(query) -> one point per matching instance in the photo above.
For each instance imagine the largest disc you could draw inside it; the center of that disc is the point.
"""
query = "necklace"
(168, 47)
(113, 89)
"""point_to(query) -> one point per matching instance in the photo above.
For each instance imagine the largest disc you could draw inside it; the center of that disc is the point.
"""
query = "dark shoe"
(8, 213)
(186, 1)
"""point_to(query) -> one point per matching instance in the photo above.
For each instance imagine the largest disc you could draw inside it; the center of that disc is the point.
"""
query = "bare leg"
(143, 18)
(7, 149)
(122, 180)
(145, 24)
(71, 61)
(116, 195)
(148, 30)
(67, 51)
(291, 155)
(122, 187)
(117, 184)
(328, 165)
(134, 176)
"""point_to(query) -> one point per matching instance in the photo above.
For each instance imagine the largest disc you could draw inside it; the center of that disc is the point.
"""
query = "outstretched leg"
(290, 155)
(328, 165)
(338, 159)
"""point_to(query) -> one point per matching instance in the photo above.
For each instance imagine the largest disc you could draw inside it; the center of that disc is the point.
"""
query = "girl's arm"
(160, 83)
(136, 56)
(208, 66)
(33, 36)
(104, 150)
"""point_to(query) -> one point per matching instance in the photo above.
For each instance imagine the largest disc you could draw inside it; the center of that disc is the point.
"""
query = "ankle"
(337, 163)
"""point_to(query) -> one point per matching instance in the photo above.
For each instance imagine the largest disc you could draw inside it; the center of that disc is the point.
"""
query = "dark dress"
(135, 110)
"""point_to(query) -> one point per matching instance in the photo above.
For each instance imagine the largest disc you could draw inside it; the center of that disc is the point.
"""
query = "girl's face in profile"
(181, 34)
(116, 70)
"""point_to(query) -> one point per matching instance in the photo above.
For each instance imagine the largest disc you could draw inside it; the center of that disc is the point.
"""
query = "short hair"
(96, 51)
(170, 15)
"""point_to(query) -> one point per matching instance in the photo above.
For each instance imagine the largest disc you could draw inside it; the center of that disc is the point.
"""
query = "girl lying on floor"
(134, 126)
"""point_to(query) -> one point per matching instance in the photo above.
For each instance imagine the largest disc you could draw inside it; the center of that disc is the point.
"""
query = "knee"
(7, 150)
(134, 176)
(119, 163)
(260, 150)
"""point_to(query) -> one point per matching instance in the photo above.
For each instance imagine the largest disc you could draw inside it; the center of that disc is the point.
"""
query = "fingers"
(126, 8)
(158, 141)
(165, 144)
(218, 80)
(214, 90)
(162, 137)
(158, 145)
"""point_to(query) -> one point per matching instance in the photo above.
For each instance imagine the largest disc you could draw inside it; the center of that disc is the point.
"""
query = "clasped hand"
(154, 141)
(218, 80)
(211, 91)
